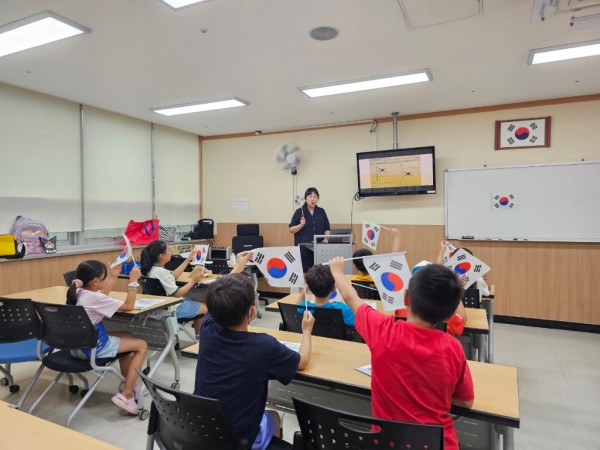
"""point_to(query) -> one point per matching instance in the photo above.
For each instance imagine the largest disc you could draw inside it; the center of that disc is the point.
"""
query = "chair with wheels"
(366, 290)
(69, 277)
(247, 239)
(67, 328)
(328, 322)
(327, 429)
(19, 329)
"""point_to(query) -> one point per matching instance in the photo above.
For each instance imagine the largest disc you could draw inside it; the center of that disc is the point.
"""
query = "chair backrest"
(471, 298)
(184, 421)
(18, 320)
(246, 243)
(69, 277)
(366, 290)
(328, 322)
(175, 262)
(66, 327)
(327, 429)
(152, 286)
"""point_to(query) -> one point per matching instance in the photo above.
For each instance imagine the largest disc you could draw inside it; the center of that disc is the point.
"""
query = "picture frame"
(523, 133)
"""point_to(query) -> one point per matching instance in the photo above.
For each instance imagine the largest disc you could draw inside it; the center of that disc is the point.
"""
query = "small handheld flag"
(200, 254)
(391, 275)
(125, 254)
(370, 234)
(467, 267)
(281, 266)
(449, 251)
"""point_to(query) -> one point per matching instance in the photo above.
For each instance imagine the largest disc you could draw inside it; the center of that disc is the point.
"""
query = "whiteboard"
(546, 202)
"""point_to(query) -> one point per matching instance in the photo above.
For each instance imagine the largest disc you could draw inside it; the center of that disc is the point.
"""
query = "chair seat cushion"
(62, 361)
(15, 352)
(279, 444)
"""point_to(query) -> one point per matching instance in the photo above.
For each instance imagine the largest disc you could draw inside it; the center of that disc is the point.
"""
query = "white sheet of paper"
(365, 369)
(295, 346)
(372, 303)
(184, 255)
(144, 303)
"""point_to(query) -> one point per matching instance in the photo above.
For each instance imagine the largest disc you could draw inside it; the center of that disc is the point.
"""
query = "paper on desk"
(372, 303)
(184, 255)
(144, 303)
(365, 369)
(295, 346)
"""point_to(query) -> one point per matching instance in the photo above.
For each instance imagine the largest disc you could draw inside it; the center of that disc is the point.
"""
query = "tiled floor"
(559, 390)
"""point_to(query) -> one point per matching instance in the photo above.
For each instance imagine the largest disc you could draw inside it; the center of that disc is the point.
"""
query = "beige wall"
(533, 280)
(244, 167)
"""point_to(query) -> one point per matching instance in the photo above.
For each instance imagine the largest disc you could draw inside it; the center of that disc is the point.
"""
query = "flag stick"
(359, 257)
(363, 286)
(385, 228)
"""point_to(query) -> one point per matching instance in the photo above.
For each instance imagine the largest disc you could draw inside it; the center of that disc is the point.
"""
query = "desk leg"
(168, 349)
(508, 437)
(490, 347)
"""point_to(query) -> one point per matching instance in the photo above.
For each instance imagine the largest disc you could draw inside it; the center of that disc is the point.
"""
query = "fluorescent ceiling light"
(36, 30)
(176, 4)
(418, 76)
(199, 107)
(589, 21)
(563, 52)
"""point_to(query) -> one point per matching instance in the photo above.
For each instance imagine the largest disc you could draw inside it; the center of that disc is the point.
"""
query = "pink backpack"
(29, 231)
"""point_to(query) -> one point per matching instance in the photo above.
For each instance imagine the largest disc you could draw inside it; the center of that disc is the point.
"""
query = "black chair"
(471, 298)
(328, 322)
(175, 262)
(327, 429)
(248, 238)
(218, 266)
(366, 290)
(19, 330)
(69, 277)
(69, 328)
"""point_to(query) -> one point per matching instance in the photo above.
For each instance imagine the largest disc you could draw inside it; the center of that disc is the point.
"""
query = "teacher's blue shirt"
(316, 223)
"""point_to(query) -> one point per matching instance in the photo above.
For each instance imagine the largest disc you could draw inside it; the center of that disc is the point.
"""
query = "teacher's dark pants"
(308, 258)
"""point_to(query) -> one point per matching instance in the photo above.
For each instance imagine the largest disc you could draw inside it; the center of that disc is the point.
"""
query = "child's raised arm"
(440, 258)
(241, 260)
(112, 275)
(306, 345)
(181, 268)
(348, 292)
(129, 303)
(395, 239)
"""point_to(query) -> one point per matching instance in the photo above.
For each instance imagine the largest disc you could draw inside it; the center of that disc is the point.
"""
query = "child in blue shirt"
(321, 283)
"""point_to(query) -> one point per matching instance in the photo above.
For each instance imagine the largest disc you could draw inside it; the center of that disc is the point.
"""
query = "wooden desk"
(22, 430)
(477, 321)
(333, 365)
(158, 331)
(186, 278)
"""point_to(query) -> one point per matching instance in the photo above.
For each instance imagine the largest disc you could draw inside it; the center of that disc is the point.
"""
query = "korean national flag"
(523, 133)
(200, 254)
(467, 267)
(125, 254)
(335, 296)
(370, 234)
(281, 266)
(502, 201)
(391, 275)
(448, 252)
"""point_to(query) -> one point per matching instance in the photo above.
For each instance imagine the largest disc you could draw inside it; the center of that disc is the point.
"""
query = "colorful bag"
(29, 231)
(167, 233)
(11, 247)
(142, 233)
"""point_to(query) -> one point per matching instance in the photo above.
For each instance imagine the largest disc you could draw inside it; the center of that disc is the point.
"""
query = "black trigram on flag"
(376, 228)
(511, 141)
(465, 279)
(511, 205)
(511, 127)
(375, 266)
(461, 257)
(289, 257)
(477, 268)
(387, 298)
(512, 197)
(259, 258)
(533, 139)
(293, 278)
(533, 126)
(396, 265)
(496, 197)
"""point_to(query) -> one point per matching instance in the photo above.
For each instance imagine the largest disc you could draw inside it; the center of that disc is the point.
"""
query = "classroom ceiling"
(142, 54)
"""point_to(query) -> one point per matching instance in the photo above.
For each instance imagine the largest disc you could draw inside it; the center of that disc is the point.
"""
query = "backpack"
(204, 230)
(11, 247)
(29, 231)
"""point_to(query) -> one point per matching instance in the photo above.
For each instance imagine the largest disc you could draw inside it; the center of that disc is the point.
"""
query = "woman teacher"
(308, 221)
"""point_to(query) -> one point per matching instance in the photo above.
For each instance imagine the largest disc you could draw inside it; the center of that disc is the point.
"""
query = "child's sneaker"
(128, 404)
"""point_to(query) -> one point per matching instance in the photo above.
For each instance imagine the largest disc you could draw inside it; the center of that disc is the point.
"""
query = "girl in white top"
(153, 259)
(90, 289)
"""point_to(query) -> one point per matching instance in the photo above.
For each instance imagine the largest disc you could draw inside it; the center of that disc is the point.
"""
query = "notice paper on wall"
(240, 204)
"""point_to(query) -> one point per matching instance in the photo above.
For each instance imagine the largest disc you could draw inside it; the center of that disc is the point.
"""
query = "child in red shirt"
(418, 372)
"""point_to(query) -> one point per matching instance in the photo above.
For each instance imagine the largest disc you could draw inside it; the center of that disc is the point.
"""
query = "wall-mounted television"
(396, 172)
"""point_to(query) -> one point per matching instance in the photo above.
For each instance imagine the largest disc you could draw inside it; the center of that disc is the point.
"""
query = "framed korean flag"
(523, 133)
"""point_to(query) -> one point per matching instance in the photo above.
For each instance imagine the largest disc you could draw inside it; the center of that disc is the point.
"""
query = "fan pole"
(395, 129)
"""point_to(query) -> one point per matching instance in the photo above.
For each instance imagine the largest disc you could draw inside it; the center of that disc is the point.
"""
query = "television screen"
(396, 172)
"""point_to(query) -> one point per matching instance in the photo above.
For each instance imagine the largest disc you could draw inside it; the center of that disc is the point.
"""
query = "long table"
(332, 370)
(24, 431)
(153, 324)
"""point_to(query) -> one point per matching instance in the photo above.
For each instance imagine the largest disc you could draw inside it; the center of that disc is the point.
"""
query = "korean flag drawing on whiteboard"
(125, 254)
(467, 267)
(370, 234)
(391, 275)
(504, 202)
(281, 266)
(200, 254)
